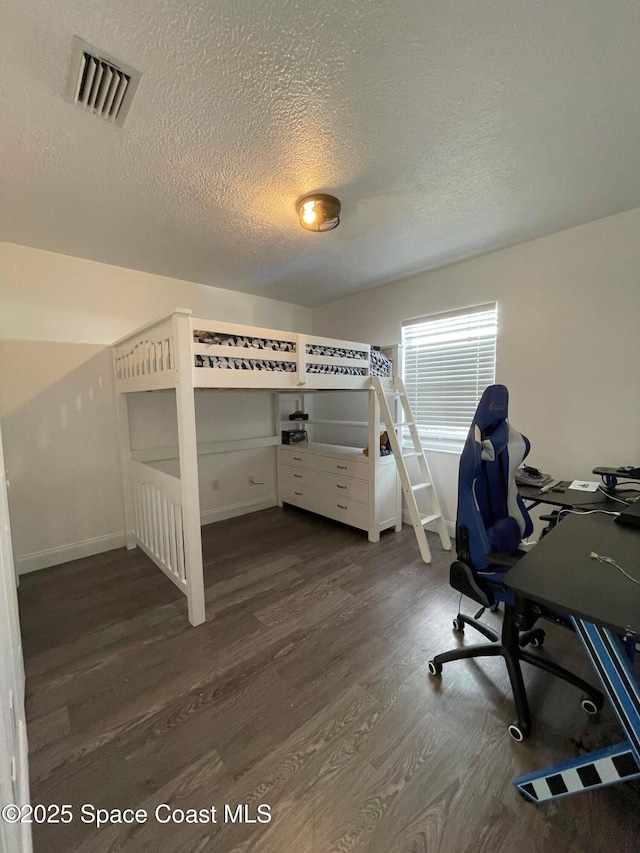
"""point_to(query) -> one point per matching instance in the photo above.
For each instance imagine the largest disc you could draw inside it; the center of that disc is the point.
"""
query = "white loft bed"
(187, 354)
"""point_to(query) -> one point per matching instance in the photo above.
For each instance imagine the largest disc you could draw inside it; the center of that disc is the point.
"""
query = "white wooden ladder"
(395, 429)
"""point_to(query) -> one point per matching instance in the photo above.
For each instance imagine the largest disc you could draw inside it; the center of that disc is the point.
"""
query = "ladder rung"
(407, 419)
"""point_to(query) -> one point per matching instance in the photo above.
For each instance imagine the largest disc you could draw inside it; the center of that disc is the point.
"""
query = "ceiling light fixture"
(318, 212)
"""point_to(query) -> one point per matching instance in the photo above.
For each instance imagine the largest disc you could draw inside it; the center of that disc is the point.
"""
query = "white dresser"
(341, 483)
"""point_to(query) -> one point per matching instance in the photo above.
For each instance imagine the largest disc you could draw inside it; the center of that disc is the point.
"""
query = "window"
(449, 359)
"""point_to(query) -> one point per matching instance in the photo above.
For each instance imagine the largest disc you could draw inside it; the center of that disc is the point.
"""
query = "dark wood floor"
(307, 690)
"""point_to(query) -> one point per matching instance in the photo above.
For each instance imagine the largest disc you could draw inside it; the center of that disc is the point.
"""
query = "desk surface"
(559, 572)
(570, 498)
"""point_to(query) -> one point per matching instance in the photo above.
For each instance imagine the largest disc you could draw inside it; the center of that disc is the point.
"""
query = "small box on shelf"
(294, 436)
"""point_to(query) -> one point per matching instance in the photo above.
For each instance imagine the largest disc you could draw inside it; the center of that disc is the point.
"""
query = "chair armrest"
(462, 578)
(501, 560)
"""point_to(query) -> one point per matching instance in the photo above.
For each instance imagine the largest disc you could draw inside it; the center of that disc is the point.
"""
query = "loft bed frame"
(162, 512)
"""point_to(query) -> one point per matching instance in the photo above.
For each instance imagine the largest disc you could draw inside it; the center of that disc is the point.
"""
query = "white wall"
(569, 321)
(58, 421)
(58, 315)
(51, 297)
(220, 416)
(569, 318)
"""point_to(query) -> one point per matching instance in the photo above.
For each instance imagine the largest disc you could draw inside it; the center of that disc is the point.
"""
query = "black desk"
(603, 604)
(559, 572)
(569, 499)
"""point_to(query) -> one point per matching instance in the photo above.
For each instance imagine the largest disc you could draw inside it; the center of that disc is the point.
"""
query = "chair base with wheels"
(517, 632)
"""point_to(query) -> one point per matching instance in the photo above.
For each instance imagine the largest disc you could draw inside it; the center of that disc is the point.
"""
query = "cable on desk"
(587, 512)
(611, 497)
(611, 562)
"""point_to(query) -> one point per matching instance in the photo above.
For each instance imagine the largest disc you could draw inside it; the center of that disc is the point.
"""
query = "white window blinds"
(449, 359)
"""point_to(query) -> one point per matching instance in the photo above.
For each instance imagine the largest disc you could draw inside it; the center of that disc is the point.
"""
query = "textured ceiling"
(446, 128)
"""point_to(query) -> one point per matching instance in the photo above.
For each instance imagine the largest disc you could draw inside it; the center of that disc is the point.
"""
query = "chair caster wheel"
(590, 705)
(458, 625)
(518, 732)
(435, 668)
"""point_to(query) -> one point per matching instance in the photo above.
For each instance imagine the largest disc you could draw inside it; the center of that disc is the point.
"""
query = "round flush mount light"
(318, 212)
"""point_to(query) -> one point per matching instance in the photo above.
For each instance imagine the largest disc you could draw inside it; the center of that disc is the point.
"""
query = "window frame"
(450, 438)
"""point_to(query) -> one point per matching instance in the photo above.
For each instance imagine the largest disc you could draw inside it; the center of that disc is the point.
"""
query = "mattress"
(379, 363)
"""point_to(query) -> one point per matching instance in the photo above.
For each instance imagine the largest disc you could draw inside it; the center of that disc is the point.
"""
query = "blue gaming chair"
(491, 523)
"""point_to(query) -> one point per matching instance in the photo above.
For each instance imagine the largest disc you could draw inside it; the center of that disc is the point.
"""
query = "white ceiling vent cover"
(99, 83)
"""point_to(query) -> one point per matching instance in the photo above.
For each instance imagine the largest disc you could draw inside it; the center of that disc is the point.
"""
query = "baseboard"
(451, 528)
(65, 553)
(233, 510)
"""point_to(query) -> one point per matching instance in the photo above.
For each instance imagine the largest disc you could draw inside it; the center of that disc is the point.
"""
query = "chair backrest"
(491, 515)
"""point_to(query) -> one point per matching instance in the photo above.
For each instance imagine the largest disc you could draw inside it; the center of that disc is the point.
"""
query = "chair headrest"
(493, 407)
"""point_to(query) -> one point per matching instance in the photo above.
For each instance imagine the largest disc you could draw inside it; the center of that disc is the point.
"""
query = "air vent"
(100, 84)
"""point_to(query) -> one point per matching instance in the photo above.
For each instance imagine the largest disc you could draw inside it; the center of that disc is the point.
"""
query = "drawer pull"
(299, 476)
(298, 458)
(342, 506)
(340, 487)
(297, 493)
(342, 467)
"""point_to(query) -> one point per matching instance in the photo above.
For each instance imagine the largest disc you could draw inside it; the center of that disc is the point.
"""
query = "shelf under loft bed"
(315, 422)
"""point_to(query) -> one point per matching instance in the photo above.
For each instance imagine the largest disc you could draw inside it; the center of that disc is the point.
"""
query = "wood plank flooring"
(307, 690)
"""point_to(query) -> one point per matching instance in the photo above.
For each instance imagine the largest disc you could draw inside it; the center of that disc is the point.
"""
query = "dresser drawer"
(346, 510)
(342, 486)
(341, 509)
(298, 458)
(344, 467)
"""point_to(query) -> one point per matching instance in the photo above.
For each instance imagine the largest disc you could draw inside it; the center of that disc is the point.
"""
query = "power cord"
(585, 512)
(612, 562)
(611, 497)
